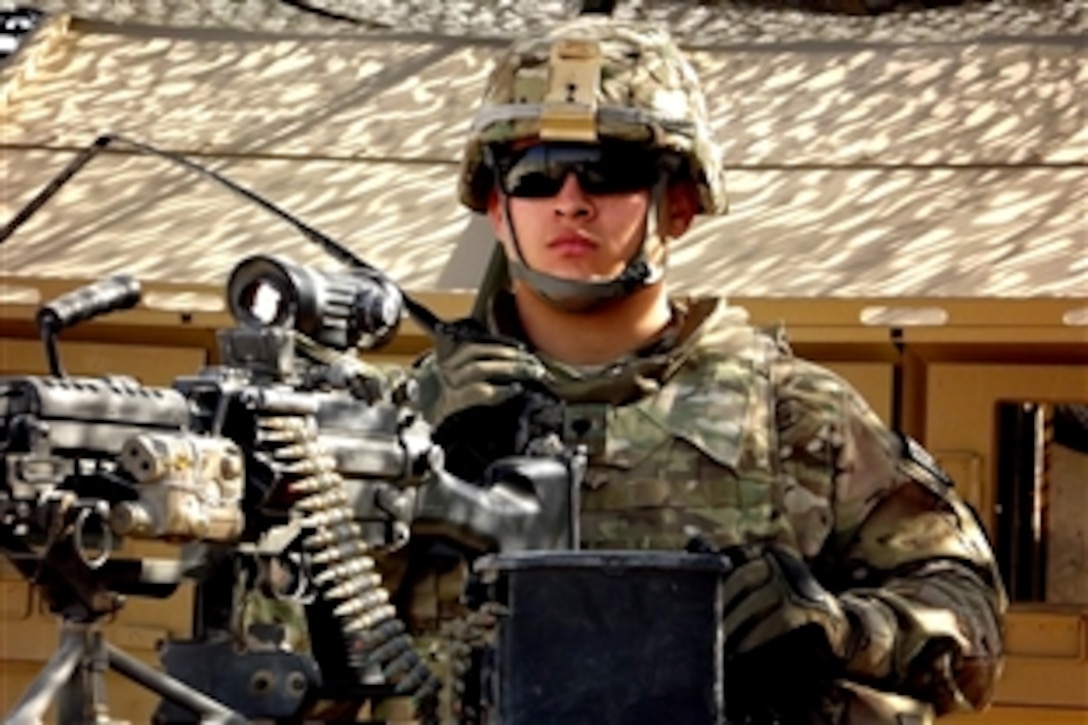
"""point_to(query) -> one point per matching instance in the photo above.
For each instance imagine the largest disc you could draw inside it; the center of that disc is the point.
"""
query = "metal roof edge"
(197, 304)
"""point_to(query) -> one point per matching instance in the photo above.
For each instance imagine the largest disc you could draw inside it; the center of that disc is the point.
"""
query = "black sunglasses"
(539, 172)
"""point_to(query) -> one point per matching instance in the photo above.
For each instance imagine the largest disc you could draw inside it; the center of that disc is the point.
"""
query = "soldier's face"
(577, 213)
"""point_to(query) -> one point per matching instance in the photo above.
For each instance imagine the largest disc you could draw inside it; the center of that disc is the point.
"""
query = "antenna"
(420, 313)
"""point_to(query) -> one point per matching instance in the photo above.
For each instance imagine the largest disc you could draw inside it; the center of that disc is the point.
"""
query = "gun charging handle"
(98, 298)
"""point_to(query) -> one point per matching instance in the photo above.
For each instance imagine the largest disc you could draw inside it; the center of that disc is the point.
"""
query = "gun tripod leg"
(210, 711)
(84, 698)
(73, 677)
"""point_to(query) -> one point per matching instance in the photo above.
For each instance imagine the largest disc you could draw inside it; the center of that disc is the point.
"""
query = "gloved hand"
(468, 373)
(784, 633)
(773, 593)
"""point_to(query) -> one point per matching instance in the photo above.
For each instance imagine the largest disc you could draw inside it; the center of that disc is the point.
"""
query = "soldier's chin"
(572, 271)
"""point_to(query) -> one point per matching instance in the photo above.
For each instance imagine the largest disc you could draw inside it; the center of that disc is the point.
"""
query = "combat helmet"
(591, 79)
(595, 77)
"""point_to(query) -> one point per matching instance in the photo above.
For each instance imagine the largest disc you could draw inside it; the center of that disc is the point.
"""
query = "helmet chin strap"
(572, 295)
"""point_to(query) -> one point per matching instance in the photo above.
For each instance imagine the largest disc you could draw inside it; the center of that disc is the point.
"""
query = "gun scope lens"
(265, 302)
(338, 310)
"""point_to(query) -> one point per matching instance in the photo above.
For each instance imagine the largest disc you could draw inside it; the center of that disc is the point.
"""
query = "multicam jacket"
(717, 429)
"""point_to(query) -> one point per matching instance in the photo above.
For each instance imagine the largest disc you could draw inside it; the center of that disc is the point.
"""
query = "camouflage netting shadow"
(952, 168)
(833, 233)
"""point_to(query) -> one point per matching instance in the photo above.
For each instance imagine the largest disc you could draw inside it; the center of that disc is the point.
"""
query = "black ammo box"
(615, 638)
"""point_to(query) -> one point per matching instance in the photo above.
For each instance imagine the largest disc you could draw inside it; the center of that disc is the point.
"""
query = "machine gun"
(282, 474)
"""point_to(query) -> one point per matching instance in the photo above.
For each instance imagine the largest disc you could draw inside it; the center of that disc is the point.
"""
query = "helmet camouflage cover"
(589, 79)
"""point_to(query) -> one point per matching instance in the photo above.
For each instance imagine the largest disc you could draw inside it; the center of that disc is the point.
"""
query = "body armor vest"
(697, 456)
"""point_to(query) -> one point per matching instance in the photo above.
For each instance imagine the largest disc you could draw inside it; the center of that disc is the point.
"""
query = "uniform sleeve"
(908, 558)
(922, 580)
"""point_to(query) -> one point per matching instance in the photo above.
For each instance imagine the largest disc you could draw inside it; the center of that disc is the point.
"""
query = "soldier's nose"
(572, 200)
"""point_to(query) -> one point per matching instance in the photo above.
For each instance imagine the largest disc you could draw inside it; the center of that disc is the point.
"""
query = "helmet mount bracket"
(569, 111)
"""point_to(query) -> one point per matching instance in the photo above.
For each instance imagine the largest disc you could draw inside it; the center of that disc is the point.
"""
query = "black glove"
(772, 594)
(786, 637)
(486, 397)
(471, 368)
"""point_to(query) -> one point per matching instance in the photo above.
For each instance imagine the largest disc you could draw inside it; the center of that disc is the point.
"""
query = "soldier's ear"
(681, 206)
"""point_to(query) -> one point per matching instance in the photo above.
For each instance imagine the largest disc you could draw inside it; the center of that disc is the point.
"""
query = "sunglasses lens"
(540, 171)
(532, 179)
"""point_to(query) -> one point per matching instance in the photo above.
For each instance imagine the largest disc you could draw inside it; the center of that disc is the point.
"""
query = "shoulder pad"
(911, 524)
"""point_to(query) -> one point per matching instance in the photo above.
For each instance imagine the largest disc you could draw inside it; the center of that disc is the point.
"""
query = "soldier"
(590, 156)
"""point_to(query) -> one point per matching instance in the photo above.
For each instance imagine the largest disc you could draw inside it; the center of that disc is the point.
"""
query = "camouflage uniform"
(720, 430)
(715, 429)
